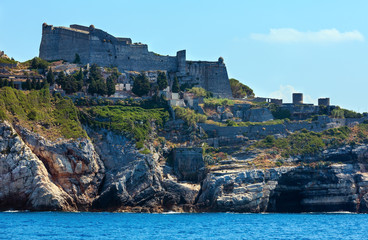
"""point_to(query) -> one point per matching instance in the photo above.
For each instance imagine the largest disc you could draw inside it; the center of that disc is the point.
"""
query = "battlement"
(97, 46)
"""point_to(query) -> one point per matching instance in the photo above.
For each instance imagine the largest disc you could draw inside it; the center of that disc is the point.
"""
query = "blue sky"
(318, 47)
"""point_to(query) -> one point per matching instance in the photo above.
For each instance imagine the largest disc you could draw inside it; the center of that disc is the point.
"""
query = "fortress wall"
(60, 43)
(211, 76)
(138, 58)
(97, 46)
(217, 80)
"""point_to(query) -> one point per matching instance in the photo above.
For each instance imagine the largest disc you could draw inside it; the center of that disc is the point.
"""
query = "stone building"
(96, 46)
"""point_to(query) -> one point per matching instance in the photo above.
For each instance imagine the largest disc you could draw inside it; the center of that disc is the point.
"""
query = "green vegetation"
(200, 92)
(127, 119)
(162, 81)
(215, 102)
(345, 113)
(50, 77)
(307, 143)
(145, 151)
(240, 90)
(189, 116)
(6, 83)
(247, 124)
(71, 83)
(39, 63)
(141, 85)
(7, 61)
(279, 113)
(175, 86)
(38, 110)
(77, 59)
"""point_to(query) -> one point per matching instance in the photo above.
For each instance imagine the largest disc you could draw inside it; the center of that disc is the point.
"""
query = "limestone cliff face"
(73, 165)
(135, 181)
(25, 182)
(107, 172)
(338, 187)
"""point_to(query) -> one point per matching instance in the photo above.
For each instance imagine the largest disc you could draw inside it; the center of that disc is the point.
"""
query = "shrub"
(190, 117)
(32, 115)
(127, 119)
(200, 92)
(240, 90)
(215, 102)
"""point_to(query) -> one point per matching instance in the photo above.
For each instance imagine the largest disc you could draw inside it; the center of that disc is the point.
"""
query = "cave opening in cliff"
(288, 196)
(286, 201)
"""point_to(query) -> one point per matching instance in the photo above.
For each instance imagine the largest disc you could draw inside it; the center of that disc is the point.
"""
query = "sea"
(57, 225)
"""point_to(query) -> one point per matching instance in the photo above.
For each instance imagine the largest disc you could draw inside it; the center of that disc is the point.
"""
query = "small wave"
(336, 212)
(15, 211)
(172, 212)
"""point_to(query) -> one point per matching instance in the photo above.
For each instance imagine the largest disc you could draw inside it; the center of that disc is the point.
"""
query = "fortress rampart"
(96, 46)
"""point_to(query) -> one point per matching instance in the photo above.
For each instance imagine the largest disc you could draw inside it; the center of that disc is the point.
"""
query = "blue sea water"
(54, 225)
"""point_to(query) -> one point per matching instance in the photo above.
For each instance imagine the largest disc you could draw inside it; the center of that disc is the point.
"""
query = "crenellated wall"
(97, 46)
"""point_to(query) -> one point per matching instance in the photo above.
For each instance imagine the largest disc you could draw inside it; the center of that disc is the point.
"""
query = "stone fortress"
(96, 46)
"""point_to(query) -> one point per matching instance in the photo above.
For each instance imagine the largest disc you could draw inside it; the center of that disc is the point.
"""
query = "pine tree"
(110, 85)
(141, 85)
(28, 85)
(38, 85)
(161, 81)
(50, 77)
(34, 83)
(176, 86)
(77, 58)
(61, 78)
(6, 83)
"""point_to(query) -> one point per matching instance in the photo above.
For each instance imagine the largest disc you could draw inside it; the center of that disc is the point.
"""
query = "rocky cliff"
(107, 172)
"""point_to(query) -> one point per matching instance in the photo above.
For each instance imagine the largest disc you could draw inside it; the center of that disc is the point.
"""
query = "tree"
(5, 83)
(50, 77)
(176, 86)
(77, 58)
(61, 78)
(94, 73)
(38, 85)
(162, 81)
(92, 88)
(240, 90)
(34, 83)
(39, 63)
(1, 82)
(110, 85)
(80, 75)
(28, 85)
(200, 92)
(141, 85)
(11, 84)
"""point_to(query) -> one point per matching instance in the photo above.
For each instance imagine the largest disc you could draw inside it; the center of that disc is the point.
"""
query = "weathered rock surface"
(25, 182)
(338, 187)
(109, 173)
(73, 165)
(134, 181)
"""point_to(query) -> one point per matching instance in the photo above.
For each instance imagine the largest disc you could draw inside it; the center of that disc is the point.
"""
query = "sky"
(317, 47)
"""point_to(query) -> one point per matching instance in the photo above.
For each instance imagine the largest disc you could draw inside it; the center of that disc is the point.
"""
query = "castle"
(96, 46)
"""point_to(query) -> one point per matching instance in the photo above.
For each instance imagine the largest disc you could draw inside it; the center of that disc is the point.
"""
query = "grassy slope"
(132, 120)
(52, 117)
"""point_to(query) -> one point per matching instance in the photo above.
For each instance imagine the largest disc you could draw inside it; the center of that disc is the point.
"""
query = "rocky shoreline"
(106, 172)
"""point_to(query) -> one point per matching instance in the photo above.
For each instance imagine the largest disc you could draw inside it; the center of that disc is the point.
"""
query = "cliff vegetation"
(50, 116)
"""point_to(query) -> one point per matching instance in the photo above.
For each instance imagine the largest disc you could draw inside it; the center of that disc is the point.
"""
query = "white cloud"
(285, 93)
(290, 35)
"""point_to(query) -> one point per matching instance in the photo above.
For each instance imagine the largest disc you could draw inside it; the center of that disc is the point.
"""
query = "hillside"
(135, 156)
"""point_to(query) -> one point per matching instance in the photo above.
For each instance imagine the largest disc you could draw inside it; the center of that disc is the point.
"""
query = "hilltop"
(77, 136)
